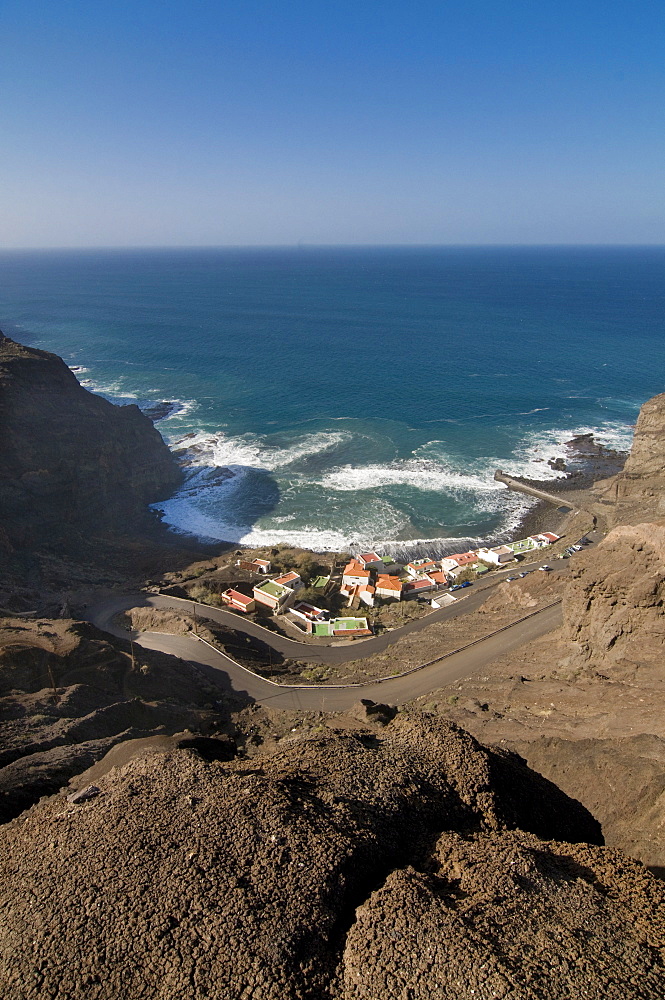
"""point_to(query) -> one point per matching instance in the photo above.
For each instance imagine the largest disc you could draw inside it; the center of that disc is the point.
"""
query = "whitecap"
(219, 449)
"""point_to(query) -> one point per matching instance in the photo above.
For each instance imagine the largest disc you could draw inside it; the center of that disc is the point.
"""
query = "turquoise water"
(358, 396)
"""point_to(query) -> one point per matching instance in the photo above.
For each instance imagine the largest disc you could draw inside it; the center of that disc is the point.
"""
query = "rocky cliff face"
(71, 463)
(638, 492)
(613, 605)
(406, 862)
(647, 454)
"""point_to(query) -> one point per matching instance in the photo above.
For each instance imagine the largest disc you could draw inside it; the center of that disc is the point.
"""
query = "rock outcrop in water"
(71, 463)
(405, 863)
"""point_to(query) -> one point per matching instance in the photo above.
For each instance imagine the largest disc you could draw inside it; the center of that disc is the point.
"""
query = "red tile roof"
(418, 585)
(355, 569)
(237, 597)
(463, 557)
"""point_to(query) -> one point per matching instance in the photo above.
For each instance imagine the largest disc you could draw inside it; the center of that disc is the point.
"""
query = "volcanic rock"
(613, 605)
(647, 453)
(401, 862)
(621, 781)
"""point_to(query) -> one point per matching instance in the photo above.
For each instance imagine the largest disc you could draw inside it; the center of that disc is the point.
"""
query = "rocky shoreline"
(591, 462)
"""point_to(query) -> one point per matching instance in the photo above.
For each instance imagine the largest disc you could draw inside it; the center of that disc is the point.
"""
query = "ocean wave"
(159, 410)
(420, 474)
(189, 518)
(530, 459)
(227, 476)
(249, 451)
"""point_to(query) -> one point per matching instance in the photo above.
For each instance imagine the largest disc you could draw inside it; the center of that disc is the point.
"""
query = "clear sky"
(165, 122)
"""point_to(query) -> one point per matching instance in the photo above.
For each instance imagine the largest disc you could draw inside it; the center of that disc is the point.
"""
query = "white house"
(291, 580)
(273, 595)
(498, 555)
(449, 564)
(389, 587)
(442, 600)
(262, 565)
(354, 575)
(370, 560)
(420, 567)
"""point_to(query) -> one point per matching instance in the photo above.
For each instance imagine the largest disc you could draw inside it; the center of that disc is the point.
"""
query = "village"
(367, 581)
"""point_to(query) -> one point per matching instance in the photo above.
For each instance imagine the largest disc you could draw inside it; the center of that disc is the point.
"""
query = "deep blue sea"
(358, 396)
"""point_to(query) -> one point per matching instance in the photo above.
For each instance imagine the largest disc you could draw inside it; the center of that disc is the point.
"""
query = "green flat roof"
(272, 588)
(348, 623)
(320, 581)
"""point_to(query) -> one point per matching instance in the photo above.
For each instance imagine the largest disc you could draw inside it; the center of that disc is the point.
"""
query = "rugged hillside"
(354, 865)
(637, 493)
(613, 605)
(621, 781)
(648, 448)
(585, 706)
(68, 693)
(71, 463)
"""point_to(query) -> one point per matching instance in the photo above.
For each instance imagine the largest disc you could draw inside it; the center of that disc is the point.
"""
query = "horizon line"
(303, 245)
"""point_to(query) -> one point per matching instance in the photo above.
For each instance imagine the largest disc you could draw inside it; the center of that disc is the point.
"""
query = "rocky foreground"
(410, 862)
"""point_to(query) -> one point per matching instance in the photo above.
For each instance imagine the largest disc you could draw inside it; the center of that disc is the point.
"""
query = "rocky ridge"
(69, 693)
(404, 862)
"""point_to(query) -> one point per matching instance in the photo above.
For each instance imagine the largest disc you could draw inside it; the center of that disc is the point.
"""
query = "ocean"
(338, 398)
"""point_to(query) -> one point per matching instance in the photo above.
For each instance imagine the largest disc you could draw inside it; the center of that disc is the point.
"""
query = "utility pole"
(56, 696)
(131, 645)
(194, 609)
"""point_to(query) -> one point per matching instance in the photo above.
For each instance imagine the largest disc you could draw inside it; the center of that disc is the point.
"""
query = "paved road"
(341, 652)
(396, 690)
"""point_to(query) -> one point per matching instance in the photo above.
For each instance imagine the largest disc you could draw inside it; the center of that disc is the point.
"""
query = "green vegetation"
(199, 592)
(285, 558)
(315, 672)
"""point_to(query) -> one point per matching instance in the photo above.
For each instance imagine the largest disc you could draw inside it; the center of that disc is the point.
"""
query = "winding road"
(395, 690)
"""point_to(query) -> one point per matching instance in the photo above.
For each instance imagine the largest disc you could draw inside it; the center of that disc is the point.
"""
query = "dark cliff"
(72, 464)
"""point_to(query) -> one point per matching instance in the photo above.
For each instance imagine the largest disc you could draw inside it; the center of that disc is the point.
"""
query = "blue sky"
(210, 123)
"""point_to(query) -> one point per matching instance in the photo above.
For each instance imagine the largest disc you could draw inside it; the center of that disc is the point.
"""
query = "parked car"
(509, 579)
(545, 569)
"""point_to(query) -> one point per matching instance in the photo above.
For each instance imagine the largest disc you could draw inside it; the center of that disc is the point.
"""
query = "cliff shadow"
(218, 507)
